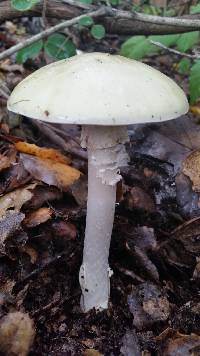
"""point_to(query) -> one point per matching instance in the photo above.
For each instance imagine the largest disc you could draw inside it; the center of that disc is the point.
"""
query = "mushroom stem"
(106, 153)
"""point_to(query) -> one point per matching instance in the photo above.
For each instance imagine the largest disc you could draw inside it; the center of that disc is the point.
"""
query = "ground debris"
(37, 217)
(9, 224)
(16, 334)
(50, 172)
(148, 304)
(16, 199)
(130, 344)
(173, 343)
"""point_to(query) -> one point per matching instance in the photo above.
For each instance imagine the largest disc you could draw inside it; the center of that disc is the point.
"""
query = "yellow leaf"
(50, 172)
(42, 152)
(195, 110)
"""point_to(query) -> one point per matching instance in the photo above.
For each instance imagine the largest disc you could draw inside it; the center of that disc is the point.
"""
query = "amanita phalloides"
(104, 93)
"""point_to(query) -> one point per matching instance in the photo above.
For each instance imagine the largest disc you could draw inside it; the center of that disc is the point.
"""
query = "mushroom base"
(103, 175)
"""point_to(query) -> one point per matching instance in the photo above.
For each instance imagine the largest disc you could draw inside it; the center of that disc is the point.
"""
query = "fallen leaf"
(130, 344)
(43, 194)
(16, 334)
(16, 199)
(42, 152)
(195, 109)
(38, 217)
(137, 198)
(148, 305)
(174, 343)
(14, 177)
(65, 229)
(31, 252)
(7, 159)
(50, 172)
(191, 168)
(92, 352)
(8, 225)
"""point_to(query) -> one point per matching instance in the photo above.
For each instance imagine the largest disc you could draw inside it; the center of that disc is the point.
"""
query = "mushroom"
(104, 93)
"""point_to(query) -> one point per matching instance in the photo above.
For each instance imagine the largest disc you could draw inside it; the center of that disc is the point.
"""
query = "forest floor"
(154, 305)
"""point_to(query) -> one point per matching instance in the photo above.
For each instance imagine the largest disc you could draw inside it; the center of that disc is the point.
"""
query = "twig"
(4, 91)
(48, 32)
(78, 4)
(174, 51)
(52, 135)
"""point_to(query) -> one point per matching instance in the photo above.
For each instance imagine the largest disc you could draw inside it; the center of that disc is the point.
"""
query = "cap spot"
(46, 112)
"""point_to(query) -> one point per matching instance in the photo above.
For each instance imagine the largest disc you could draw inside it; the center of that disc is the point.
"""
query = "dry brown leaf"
(50, 172)
(16, 199)
(31, 252)
(174, 343)
(42, 152)
(38, 217)
(191, 168)
(16, 334)
(7, 159)
(92, 352)
(195, 110)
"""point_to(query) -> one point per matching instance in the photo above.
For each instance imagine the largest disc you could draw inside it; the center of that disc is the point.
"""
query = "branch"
(48, 32)
(174, 51)
(115, 21)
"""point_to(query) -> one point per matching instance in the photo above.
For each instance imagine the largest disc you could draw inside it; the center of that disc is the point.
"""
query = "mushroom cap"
(98, 89)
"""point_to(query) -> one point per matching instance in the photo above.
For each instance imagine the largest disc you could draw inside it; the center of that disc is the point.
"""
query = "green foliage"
(98, 31)
(22, 5)
(59, 46)
(137, 47)
(194, 82)
(31, 51)
(87, 1)
(187, 40)
(86, 21)
(184, 66)
(114, 2)
(195, 9)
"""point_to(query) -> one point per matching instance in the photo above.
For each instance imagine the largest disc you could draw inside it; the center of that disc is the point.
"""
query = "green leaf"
(31, 51)
(87, 1)
(98, 31)
(195, 9)
(22, 5)
(86, 21)
(59, 46)
(194, 82)
(184, 66)
(187, 40)
(114, 2)
(137, 47)
(167, 40)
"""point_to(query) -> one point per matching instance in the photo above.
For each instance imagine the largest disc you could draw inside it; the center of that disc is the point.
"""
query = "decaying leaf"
(42, 152)
(64, 230)
(148, 305)
(50, 172)
(38, 217)
(92, 352)
(130, 344)
(7, 159)
(191, 168)
(16, 199)
(174, 343)
(188, 235)
(8, 225)
(16, 334)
